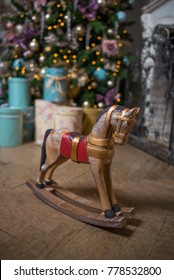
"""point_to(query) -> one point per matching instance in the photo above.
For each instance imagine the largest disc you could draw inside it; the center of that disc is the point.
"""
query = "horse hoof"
(40, 186)
(48, 182)
(116, 208)
(109, 214)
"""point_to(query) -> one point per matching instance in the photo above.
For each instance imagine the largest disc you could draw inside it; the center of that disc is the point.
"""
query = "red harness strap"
(66, 146)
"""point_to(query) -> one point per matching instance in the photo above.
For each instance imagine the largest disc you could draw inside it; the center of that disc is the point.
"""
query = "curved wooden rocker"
(113, 126)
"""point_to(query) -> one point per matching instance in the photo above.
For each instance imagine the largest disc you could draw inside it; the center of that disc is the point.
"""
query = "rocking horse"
(113, 126)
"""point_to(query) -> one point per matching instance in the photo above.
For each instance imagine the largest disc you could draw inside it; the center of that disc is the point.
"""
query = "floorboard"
(30, 229)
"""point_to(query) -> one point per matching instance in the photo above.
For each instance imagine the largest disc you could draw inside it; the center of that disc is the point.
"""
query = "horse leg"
(50, 171)
(110, 190)
(97, 168)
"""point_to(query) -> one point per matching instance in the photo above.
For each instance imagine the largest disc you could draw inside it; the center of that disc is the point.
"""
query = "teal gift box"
(55, 85)
(28, 124)
(19, 96)
(11, 127)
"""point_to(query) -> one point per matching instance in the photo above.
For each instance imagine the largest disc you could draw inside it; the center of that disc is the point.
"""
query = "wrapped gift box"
(49, 115)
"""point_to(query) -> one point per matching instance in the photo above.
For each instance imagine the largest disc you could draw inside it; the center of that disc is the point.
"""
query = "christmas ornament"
(73, 91)
(83, 78)
(110, 83)
(100, 74)
(17, 49)
(101, 105)
(41, 58)
(17, 63)
(79, 30)
(28, 54)
(109, 97)
(102, 5)
(47, 48)
(110, 47)
(9, 24)
(35, 18)
(19, 29)
(110, 31)
(94, 84)
(121, 16)
(86, 104)
(48, 15)
(34, 45)
(89, 9)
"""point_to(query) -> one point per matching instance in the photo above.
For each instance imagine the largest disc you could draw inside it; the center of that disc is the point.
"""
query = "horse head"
(122, 121)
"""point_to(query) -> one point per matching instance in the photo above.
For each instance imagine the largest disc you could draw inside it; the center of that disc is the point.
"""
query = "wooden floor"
(30, 229)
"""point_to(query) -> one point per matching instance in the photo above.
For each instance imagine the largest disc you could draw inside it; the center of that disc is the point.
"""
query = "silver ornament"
(41, 58)
(110, 83)
(110, 31)
(19, 29)
(101, 105)
(34, 45)
(86, 104)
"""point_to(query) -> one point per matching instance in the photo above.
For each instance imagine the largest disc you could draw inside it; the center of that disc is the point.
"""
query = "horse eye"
(124, 124)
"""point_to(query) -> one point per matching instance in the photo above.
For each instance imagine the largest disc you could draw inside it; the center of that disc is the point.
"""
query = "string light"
(67, 61)
(54, 61)
(99, 37)
(62, 24)
(55, 54)
(89, 87)
(118, 62)
(118, 36)
(17, 68)
(93, 62)
(58, 5)
(120, 44)
(87, 47)
(69, 75)
(80, 39)
(93, 45)
(68, 51)
(55, 26)
(101, 59)
(124, 31)
(59, 20)
(97, 53)
(74, 56)
(65, 56)
(50, 27)
(36, 76)
(23, 70)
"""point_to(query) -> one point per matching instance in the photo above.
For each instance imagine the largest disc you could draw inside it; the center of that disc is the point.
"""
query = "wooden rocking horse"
(112, 126)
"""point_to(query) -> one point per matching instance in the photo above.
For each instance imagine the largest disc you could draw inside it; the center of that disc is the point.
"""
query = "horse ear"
(132, 112)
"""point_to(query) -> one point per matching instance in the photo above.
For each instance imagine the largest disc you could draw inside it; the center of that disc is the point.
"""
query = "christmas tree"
(86, 37)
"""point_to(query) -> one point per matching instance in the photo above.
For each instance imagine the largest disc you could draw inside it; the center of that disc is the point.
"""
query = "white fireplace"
(157, 60)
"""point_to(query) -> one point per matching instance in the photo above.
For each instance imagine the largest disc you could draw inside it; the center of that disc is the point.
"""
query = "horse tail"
(43, 150)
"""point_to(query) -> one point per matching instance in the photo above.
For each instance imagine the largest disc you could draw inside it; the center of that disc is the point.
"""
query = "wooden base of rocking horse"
(77, 207)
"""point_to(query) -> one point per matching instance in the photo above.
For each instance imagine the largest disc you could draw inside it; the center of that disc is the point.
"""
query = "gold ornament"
(79, 30)
(94, 84)
(34, 45)
(35, 18)
(73, 91)
(47, 48)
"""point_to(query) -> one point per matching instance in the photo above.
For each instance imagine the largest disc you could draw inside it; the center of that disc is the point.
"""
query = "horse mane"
(118, 108)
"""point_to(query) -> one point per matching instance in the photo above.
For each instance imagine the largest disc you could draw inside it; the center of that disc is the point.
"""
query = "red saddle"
(66, 147)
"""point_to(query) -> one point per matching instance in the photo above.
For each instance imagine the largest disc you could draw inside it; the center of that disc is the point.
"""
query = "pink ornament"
(38, 4)
(110, 47)
(9, 24)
